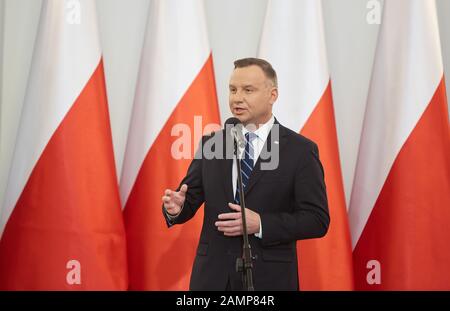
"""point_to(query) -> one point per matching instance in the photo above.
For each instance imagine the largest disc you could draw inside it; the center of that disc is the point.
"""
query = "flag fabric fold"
(175, 100)
(400, 203)
(61, 222)
(293, 42)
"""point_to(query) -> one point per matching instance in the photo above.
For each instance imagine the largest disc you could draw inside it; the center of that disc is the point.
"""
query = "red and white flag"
(61, 221)
(176, 87)
(400, 205)
(293, 41)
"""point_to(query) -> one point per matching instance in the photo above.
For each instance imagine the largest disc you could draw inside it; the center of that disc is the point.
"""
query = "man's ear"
(273, 94)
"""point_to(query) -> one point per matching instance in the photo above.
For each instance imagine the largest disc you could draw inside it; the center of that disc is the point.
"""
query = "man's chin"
(242, 118)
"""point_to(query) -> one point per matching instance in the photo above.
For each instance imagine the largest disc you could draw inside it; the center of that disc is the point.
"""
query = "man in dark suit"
(284, 187)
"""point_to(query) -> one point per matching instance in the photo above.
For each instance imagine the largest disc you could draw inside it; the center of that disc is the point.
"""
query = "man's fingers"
(229, 216)
(183, 189)
(228, 223)
(230, 230)
(165, 199)
(169, 194)
(235, 207)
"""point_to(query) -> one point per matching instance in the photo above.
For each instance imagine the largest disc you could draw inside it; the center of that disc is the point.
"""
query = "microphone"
(236, 131)
(244, 263)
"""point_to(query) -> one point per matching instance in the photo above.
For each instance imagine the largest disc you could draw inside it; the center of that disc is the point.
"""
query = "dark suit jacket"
(291, 201)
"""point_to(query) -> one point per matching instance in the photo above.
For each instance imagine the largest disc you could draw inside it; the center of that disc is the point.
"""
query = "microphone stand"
(244, 264)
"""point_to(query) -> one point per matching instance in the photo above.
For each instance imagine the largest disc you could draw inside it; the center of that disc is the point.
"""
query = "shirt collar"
(263, 131)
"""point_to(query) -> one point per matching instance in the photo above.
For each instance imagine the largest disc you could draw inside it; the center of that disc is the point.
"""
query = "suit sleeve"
(310, 217)
(194, 195)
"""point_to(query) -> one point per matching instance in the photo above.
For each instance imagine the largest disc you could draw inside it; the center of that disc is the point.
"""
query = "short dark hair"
(265, 66)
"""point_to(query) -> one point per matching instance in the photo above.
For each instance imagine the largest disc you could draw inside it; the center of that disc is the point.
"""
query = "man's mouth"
(239, 110)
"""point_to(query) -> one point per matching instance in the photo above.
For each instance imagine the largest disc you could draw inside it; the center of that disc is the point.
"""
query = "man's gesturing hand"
(173, 201)
(231, 223)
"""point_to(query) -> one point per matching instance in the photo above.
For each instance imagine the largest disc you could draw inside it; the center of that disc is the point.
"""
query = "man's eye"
(248, 90)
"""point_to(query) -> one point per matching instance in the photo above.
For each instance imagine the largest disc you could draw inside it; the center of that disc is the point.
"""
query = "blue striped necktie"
(247, 163)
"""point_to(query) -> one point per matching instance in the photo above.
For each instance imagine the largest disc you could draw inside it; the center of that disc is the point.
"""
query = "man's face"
(252, 95)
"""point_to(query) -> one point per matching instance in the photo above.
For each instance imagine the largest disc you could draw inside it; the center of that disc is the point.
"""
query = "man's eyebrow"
(244, 86)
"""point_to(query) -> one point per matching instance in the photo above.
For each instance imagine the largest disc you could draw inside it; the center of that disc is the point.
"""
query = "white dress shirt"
(258, 143)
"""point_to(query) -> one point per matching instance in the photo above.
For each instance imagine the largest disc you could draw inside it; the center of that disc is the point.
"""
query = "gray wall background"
(234, 30)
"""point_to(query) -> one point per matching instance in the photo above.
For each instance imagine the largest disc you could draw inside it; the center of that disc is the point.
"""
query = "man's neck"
(253, 127)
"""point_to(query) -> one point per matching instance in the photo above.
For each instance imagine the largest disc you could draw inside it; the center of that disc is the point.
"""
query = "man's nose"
(237, 97)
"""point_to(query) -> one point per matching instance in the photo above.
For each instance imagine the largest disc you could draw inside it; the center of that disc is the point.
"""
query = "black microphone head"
(232, 121)
(235, 127)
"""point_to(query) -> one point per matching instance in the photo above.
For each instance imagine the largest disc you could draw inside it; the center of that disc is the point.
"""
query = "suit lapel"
(272, 141)
(227, 166)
